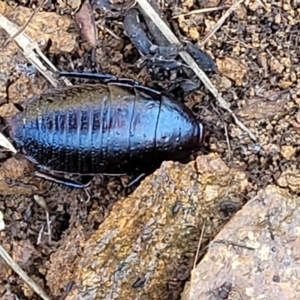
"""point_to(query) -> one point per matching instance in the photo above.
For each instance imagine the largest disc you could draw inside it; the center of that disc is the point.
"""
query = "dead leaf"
(85, 24)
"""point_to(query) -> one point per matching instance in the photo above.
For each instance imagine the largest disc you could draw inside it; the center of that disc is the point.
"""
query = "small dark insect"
(116, 127)
(224, 290)
(139, 282)
(162, 55)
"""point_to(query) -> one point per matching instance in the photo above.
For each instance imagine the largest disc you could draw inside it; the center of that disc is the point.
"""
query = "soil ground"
(257, 53)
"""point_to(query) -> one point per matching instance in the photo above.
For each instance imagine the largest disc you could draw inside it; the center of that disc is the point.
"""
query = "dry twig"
(30, 49)
(190, 61)
(200, 11)
(8, 259)
(220, 22)
(227, 140)
(12, 37)
(5, 143)
(196, 258)
(33, 54)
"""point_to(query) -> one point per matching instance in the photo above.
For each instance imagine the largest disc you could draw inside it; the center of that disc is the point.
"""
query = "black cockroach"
(114, 127)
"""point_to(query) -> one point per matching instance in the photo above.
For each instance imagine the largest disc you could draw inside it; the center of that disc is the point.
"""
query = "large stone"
(146, 247)
(256, 255)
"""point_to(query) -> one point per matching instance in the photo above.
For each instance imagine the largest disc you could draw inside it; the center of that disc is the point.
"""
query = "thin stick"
(199, 245)
(49, 227)
(2, 224)
(227, 140)
(220, 22)
(7, 258)
(33, 54)
(105, 29)
(29, 48)
(31, 51)
(201, 11)
(5, 143)
(24, 26)
(196, 258)
(40, 234)
(190, 61)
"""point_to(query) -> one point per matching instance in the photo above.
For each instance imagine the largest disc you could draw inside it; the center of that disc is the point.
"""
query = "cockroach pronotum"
(113, 127)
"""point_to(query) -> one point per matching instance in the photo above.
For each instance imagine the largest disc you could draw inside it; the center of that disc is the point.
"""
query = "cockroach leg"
(84, 115)
(19, 181)
(134, 30)
(107, 78)
(135, 180)
(182, 88)
(100, 76)
(62, 180)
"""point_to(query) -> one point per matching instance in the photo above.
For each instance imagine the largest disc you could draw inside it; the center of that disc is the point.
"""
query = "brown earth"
(257, 54)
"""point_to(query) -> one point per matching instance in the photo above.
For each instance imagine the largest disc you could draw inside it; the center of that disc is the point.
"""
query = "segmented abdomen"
(112, 129)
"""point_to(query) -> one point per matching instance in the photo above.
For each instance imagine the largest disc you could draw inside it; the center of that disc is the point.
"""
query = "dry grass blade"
(196, 258)
(2, 224)
(199, 245)
(190, 61)
(6, 257)
(29, 49)
(5, 143)
(221, 21)
(200, 11)
(12, 37)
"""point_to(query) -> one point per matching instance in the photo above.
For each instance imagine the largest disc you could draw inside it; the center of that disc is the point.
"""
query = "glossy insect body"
(109, 128)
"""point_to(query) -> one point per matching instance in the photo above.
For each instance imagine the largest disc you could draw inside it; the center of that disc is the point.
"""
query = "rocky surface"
(256, 254)
(13, 181)
(146, 247)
